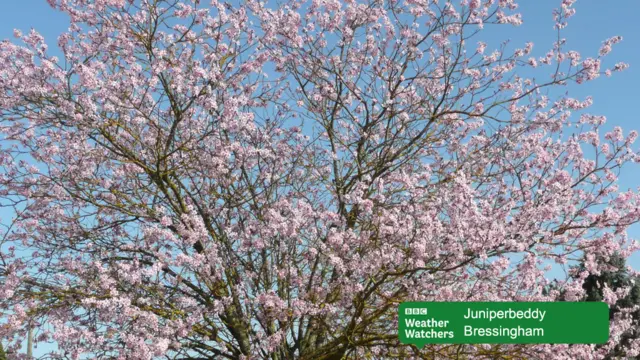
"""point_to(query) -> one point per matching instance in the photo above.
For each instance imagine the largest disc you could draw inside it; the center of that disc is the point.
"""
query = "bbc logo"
(415, 311)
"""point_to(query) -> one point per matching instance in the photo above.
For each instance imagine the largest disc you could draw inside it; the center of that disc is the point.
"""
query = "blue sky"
(595, 21)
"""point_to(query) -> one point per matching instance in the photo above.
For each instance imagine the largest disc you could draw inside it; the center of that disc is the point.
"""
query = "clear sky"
(595, 21)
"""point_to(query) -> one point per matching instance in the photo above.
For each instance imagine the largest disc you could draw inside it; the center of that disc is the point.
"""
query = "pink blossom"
(249, 179)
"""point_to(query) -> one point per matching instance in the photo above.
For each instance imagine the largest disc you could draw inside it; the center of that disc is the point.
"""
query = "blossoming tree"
(269, 180)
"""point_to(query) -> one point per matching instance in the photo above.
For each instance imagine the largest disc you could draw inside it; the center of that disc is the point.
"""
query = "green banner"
(422, 323)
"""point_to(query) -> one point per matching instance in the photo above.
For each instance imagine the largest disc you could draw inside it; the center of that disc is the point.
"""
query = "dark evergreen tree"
(615, 278)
